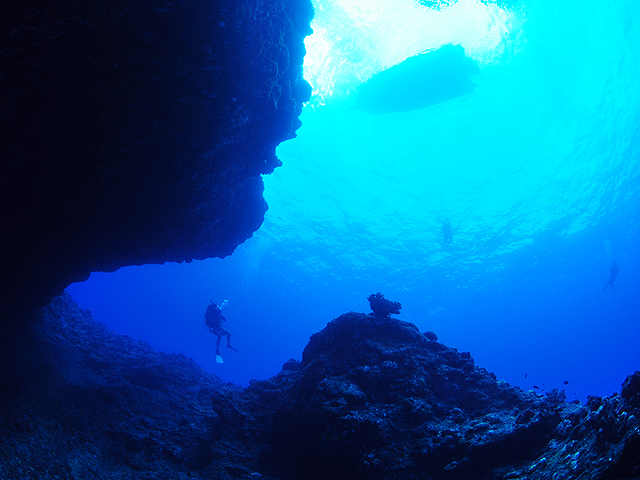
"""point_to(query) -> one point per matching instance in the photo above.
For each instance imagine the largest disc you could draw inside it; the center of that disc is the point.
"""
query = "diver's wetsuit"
(214, 319)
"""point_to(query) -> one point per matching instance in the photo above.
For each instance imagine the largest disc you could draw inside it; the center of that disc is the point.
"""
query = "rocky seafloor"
(372, 398)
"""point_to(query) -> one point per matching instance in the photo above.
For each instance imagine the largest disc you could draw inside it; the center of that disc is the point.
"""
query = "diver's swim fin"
(219, 359)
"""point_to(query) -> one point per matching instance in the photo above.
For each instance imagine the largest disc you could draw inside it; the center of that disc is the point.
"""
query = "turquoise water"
(536, 171)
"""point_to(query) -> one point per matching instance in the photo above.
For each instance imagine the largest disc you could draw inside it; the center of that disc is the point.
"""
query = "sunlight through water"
(526, 151)
(535, 170)
(355, 39)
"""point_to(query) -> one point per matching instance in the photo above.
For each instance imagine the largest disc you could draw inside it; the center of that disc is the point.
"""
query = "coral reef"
(138, 133)
(372, 398)
(378, 399)
(382, 307)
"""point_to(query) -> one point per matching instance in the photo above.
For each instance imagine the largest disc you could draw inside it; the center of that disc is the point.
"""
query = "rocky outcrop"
(137, 133)
(79, 401)
(378, 399)
(372, 398)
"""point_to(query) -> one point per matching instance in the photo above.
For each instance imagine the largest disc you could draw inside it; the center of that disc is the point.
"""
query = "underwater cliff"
(138, 133)
(141, 133)
(372, 398)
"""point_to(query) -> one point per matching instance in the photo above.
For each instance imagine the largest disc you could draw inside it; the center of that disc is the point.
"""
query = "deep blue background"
(537, 170)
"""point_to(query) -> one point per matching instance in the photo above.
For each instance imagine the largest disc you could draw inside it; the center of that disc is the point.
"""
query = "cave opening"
(534, 170)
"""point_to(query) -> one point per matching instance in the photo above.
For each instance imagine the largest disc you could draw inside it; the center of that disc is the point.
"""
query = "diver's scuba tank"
(204, 320)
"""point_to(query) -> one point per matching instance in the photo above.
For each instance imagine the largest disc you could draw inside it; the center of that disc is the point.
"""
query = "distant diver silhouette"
(213, 320)
(447, 234)
(613, 274)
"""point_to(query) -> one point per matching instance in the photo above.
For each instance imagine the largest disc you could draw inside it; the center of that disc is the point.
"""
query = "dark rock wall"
(136, 132)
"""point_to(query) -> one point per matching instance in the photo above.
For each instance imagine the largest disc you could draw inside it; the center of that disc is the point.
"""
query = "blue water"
(537, 171)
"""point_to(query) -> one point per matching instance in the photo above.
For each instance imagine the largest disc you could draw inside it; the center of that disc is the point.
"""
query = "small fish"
(566, 383)
(525, 375)
(536, 387)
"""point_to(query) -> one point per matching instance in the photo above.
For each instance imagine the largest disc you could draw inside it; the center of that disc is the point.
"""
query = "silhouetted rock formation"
(378, 399)
(372, 398)
(381, 307)
(135, 133)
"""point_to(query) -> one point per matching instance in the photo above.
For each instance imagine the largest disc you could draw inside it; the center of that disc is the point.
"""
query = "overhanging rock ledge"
(135, 133)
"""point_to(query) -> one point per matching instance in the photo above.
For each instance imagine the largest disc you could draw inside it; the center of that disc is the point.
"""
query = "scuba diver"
(447, 234)
(213, 320)
(613, 274)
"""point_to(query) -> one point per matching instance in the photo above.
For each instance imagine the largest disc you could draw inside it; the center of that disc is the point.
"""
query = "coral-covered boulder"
(381, 307)
(631, 390)
(378, 399)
